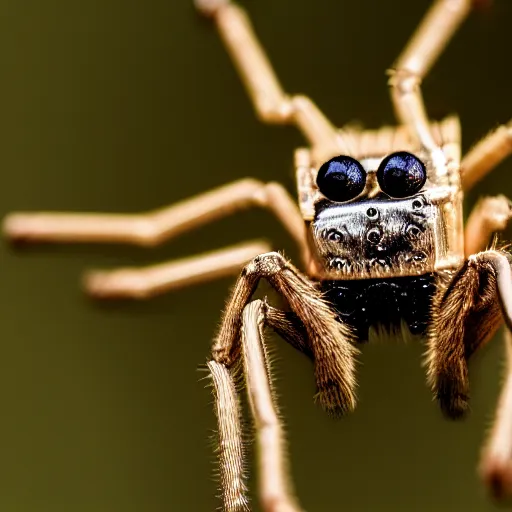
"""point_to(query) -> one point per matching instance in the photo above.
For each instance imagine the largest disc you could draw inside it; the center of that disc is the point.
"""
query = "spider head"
(379, 218)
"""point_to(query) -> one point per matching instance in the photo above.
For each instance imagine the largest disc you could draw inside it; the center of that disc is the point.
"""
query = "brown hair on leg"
(289, 327)
(447, 370)
(330, 341)
(465, 314)
(230, 444)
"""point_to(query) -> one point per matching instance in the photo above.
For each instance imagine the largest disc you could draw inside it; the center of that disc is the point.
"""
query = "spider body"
(381, 238)
(404, 221)
(377, 238)
(383, 302)
(383, 246)
(378, 253)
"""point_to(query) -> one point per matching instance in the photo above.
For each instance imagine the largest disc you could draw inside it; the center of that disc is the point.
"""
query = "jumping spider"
(382, 241)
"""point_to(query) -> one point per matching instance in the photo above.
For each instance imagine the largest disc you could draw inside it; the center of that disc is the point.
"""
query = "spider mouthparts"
(339, 264)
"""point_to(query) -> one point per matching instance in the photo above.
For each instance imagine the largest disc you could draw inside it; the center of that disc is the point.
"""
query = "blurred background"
(111, 105)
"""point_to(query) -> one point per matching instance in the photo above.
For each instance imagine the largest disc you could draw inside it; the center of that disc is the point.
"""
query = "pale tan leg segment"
(429, 40)
(490, 214)
(486, 155)
(147, 282)
(158, 226)
(496, 463)
(230, 440)
(272, 104)
(275, 489)
(274, 484)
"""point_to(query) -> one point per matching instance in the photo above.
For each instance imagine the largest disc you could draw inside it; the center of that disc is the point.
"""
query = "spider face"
(379, 218)
(399, 175)
(374, 238)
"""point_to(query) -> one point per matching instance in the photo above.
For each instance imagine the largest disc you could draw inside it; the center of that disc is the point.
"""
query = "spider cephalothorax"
(375, 237)
(382, 242)
(376, 232)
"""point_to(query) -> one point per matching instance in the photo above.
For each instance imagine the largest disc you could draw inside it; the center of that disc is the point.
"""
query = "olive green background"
(113, 105)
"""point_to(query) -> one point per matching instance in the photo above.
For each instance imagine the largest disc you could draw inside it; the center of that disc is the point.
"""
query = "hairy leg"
(329, 341)
(230, 440)
(467, 311)
(289, 327)
(276, 493)
(274, 484)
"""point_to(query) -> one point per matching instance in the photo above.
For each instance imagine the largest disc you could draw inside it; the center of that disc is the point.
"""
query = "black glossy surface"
(401, 174)
(342, 178)
(370, 302)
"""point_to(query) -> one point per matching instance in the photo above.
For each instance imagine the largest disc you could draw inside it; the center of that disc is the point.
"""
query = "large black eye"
(401, 175)
(341, 178)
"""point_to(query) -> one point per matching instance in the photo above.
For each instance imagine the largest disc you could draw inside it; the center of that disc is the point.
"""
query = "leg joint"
(275, 112)
(265, 264)
(404, 81)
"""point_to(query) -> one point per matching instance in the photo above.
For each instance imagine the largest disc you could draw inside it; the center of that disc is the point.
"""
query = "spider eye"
(401, 175)
(341, 178)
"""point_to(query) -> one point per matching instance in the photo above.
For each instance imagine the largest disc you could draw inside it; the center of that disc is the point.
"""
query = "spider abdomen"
(369, 302)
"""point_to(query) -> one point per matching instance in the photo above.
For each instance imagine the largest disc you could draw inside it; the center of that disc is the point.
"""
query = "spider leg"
(496, 460)
(329, 341)
(153, 280)
(156, 227)
(276, 492)
(231, 451)
(289, 327)
(153, 228)
(429, 40)
(490, 214)
(465, 314)
(486, 155)
(272, 104)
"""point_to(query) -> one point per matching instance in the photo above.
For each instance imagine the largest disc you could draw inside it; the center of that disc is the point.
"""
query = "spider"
(381, 238)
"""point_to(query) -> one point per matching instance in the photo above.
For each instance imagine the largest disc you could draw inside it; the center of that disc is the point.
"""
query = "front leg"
(275, 487)
(312, 328)
(465, 314)
(328, 341)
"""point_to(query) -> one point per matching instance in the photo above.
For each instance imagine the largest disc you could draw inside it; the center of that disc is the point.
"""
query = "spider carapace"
(382, 242)
(384, 229)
